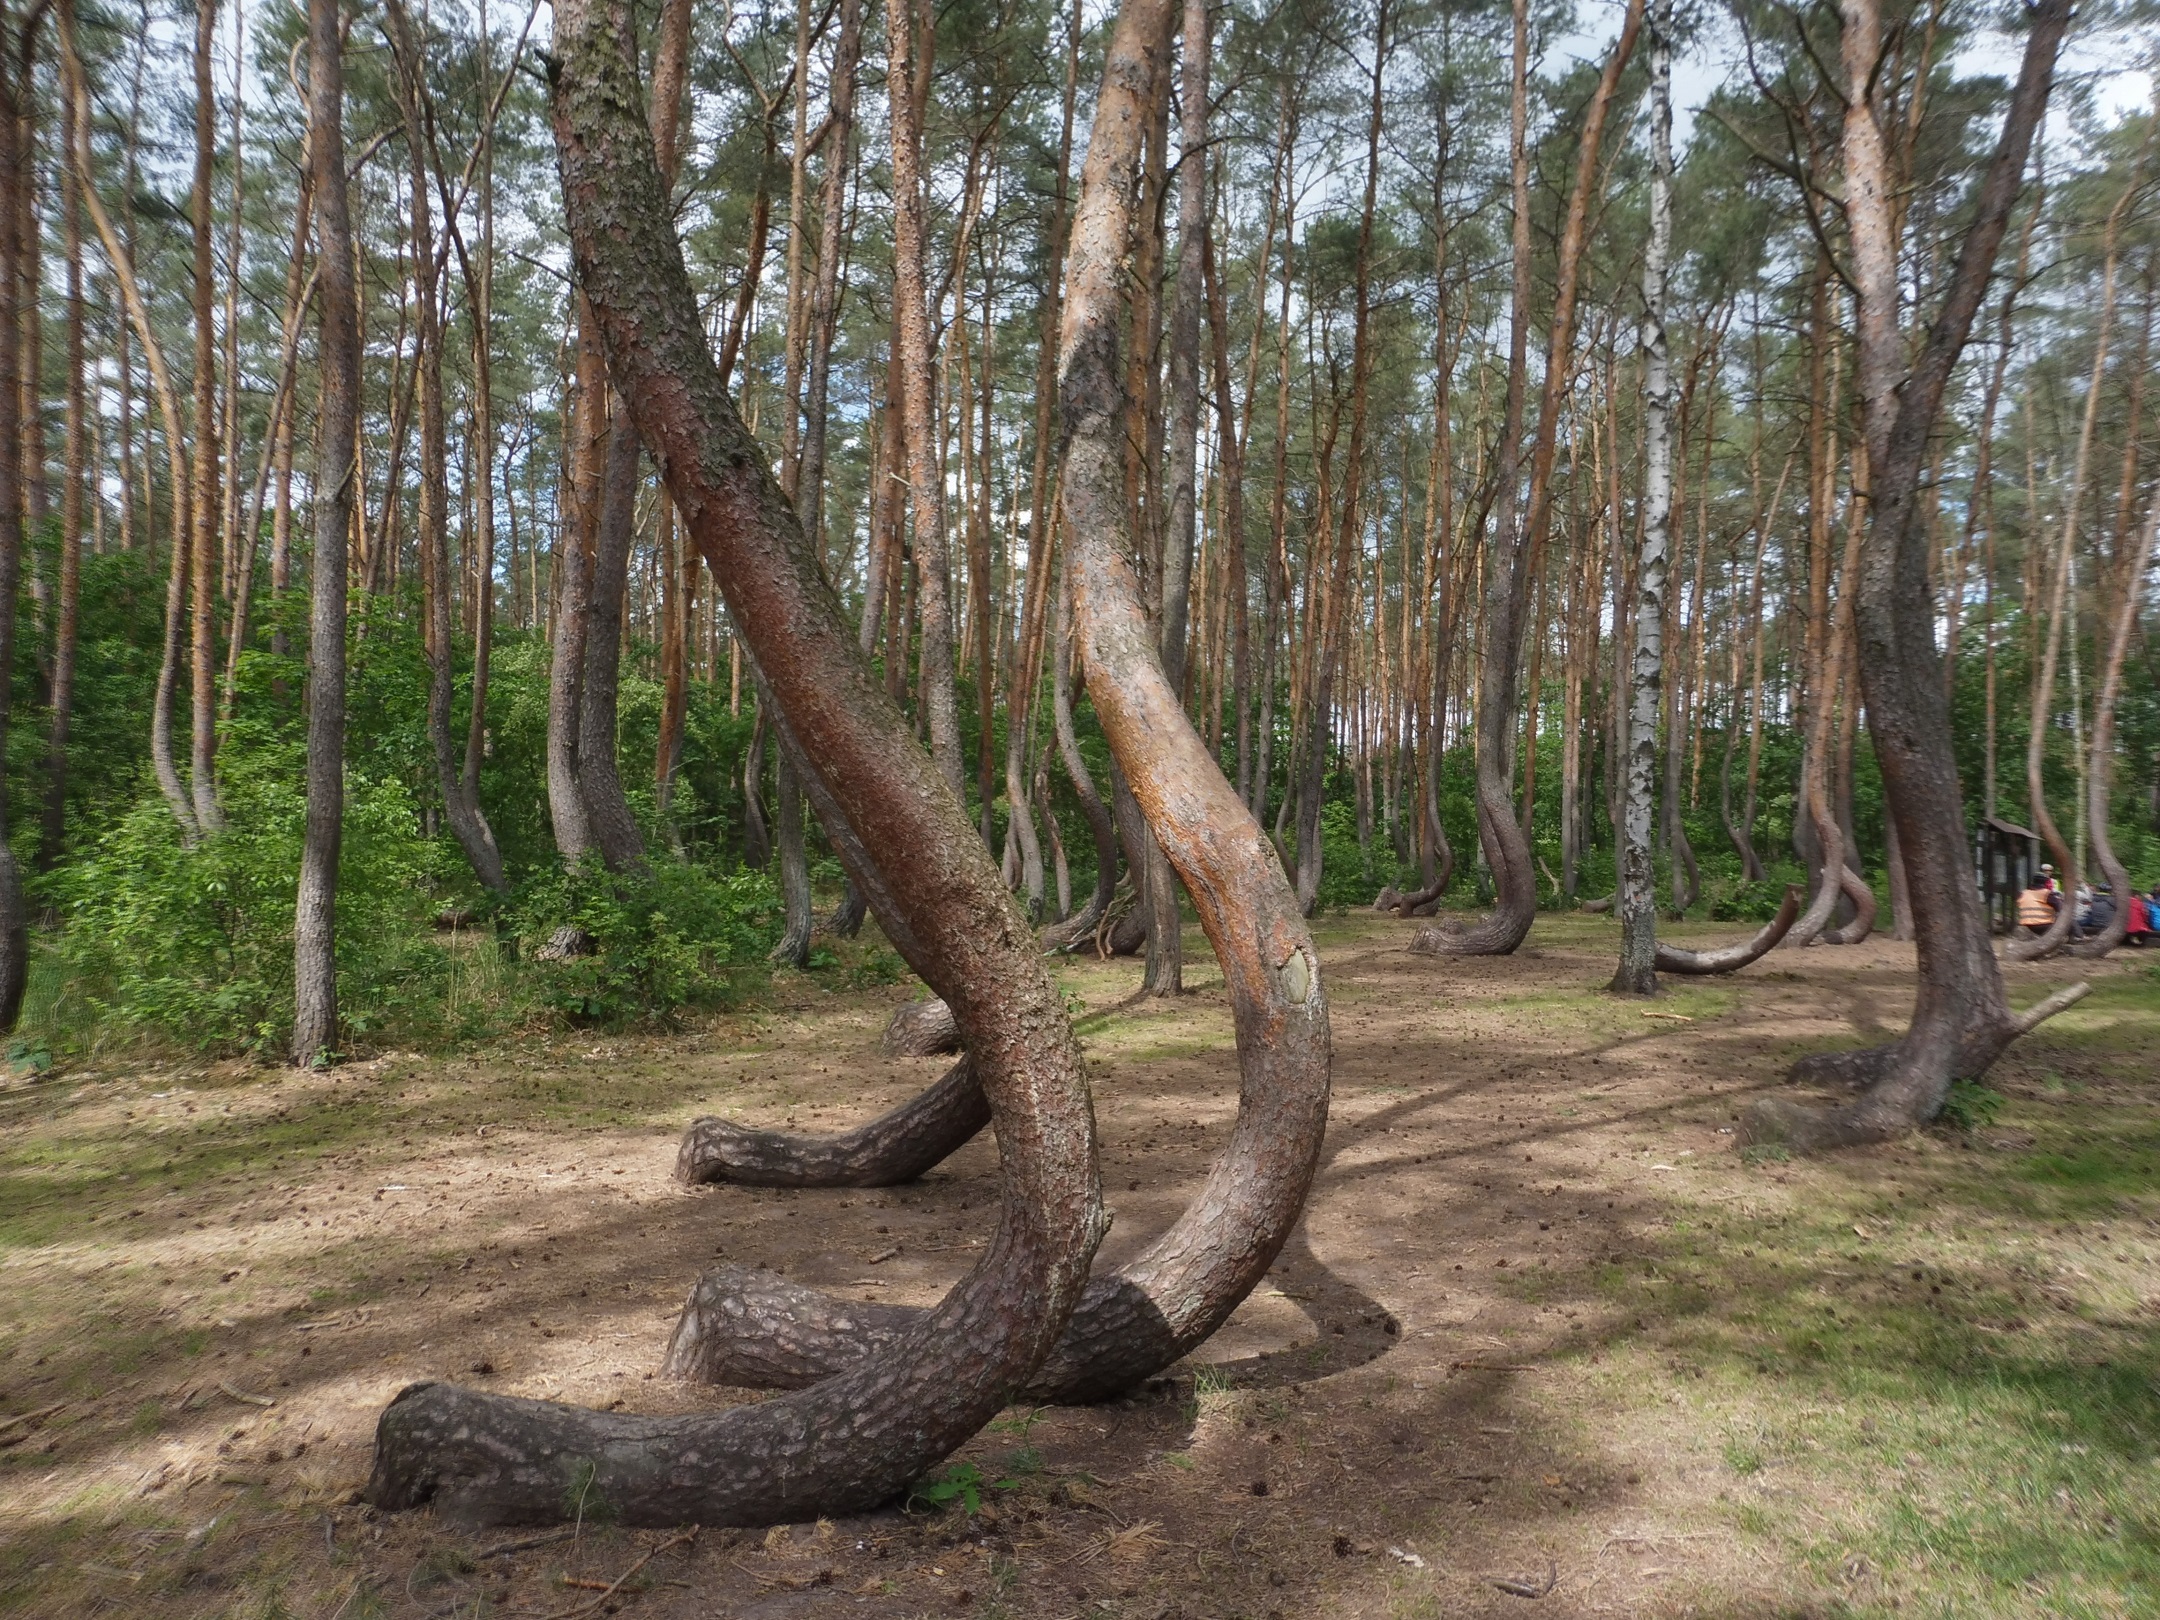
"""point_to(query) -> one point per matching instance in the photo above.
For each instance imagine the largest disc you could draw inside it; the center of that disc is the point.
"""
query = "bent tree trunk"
(751, 1327)
(2101, 765)
(1732, 958)
(1101, 829)
(1507, 583)
(859, 1438)
(1961, 1019)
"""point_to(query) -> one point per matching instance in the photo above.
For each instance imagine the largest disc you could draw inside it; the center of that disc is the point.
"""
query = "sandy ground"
(1439, 1404)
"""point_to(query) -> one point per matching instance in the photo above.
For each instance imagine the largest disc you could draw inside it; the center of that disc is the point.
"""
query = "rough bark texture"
(742, 1326)
(1961, 1019)
(1732, 958)
(599, 778)
(922, 1029)
(862, 1436)
(897, 1146)
(315, 918)
(1636, 895)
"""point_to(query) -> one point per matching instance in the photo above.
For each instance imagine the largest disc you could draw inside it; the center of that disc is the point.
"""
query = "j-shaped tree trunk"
(2101, 768)
(1637, 892)
(2062, 606)
(748, 1326)
(460, 808)
(860, 1437)
(336, 481)
(1101, 830)
(1519, 551)
(1961, 1019)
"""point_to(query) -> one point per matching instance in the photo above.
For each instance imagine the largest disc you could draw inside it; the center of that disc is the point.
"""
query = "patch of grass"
(1945, 1371)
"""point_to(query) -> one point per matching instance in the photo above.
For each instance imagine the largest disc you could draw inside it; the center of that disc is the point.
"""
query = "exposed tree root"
(922, 1029)
(1732, 958)
(1900, 1090)
(897, 1146)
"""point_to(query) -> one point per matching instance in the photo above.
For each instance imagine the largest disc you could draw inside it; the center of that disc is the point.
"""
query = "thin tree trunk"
(1637, 973)
(315, 1015)
(67, 618)
(467, 824)
(1519, 551)
(1164, 974)
(575, 539)
(202, 754)
(911, 328)
(15, 92)
(163, 764)
(2100, 773)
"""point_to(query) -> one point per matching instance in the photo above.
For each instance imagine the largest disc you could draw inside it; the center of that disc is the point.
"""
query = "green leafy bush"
(1747, 902)
(658, 938)
(194, 946)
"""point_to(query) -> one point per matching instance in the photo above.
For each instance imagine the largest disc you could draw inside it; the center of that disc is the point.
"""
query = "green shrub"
(662, 937)
(1747, 902)
(194, 946)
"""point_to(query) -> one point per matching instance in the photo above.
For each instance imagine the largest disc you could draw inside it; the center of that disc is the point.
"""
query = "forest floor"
(1545, 1344)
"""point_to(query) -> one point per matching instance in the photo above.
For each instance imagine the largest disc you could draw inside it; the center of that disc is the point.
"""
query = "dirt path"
(1545, 1345)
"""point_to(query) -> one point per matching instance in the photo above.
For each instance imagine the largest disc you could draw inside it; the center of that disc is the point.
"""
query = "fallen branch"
(244, 1398)
(592, 1605)
(1529, 1589)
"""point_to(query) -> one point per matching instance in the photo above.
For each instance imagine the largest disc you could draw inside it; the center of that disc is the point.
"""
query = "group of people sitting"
(2040, 904)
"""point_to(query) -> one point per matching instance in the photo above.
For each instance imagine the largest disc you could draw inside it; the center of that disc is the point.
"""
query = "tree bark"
(1134, 1321)
(15, 91)
(863, 1436)
(1165, 970)
(1732, 958)
(575, 538)
(203, 492)
(599, 779)
(163, 764)
(1637, 903)
(1515, 565)
(1961, 1018)
(67, 618)
(905, 79)
(315, 1016)
(460, 808)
